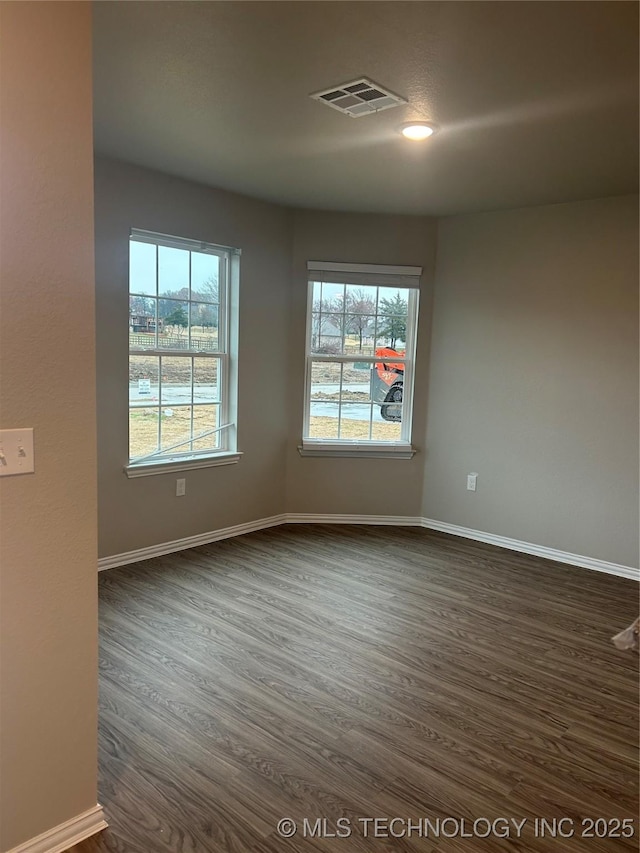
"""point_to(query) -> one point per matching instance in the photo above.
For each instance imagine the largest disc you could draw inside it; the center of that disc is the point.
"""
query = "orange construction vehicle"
(387, 379)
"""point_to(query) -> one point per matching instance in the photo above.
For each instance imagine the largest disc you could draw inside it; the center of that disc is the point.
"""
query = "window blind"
(376, 275)
(180, 242)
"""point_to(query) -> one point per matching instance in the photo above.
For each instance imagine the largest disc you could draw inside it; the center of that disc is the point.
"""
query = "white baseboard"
(536, 550)
(315, 518)
(188, 542)
(390, 520)
(67, 834)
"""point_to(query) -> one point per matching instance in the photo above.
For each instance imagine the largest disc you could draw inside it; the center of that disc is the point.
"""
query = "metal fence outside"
(141, 341)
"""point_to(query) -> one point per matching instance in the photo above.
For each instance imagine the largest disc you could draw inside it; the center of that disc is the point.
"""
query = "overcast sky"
(173, 268)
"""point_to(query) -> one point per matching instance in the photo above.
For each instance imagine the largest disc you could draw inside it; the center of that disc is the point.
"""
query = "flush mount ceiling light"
(417, 130)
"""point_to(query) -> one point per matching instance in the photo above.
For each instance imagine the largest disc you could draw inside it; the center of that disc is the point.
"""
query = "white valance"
(375, 275)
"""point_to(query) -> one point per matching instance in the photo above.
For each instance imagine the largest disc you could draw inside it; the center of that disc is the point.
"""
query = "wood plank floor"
(347, 673)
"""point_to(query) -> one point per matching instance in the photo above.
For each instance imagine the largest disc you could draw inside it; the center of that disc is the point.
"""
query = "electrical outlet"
(472, 480)
(181, 487)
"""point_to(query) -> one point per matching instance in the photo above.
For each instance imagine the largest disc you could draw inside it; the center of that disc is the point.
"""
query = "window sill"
(357, 451)
(148, 469)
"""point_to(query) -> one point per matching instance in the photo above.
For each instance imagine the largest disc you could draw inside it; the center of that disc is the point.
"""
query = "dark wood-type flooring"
(344, 672)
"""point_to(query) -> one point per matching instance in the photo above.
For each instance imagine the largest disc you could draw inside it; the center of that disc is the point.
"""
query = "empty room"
(319, 499)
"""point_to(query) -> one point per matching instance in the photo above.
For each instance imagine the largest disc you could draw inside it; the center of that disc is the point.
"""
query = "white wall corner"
(66, 834)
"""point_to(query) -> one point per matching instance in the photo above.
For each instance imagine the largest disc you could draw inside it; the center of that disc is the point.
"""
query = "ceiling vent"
(358, 98)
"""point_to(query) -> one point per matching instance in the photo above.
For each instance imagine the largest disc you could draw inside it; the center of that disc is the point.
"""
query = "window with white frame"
(179, 369)
(361, 341)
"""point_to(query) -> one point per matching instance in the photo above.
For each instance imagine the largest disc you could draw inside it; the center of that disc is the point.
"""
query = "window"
(180, 390)
(361, 340)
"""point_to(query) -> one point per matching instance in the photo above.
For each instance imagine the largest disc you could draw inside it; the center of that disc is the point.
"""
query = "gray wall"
(48, 606)
(140, 512)
(531, 382)
(534, 377)
(357, 486)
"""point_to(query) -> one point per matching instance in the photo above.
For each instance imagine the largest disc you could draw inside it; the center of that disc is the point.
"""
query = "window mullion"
(157, 301)
(177, 353)
(340, 401)
(192, 382)
(159, 404)
(348, 359)
(410, 351)
(189, 311)
(223, 329)
(223, 393)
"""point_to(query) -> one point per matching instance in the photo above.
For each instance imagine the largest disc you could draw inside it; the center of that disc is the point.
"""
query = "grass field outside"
(327, 427)
(176, 427)
(176, 421)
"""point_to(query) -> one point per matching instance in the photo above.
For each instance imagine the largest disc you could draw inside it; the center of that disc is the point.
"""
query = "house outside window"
(360, 355)
(181, 376)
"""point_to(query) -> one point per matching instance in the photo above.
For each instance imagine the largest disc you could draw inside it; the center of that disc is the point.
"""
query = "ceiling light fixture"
(417, 130)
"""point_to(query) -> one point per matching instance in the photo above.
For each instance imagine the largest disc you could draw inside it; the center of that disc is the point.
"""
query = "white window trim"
(352, 449)
(151, 465)
(187, 463)
(355, 448)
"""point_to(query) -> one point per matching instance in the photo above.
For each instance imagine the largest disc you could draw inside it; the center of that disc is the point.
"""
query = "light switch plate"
(16, 452)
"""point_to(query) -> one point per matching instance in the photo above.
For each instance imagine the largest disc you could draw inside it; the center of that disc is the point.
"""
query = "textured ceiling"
(537, 102)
